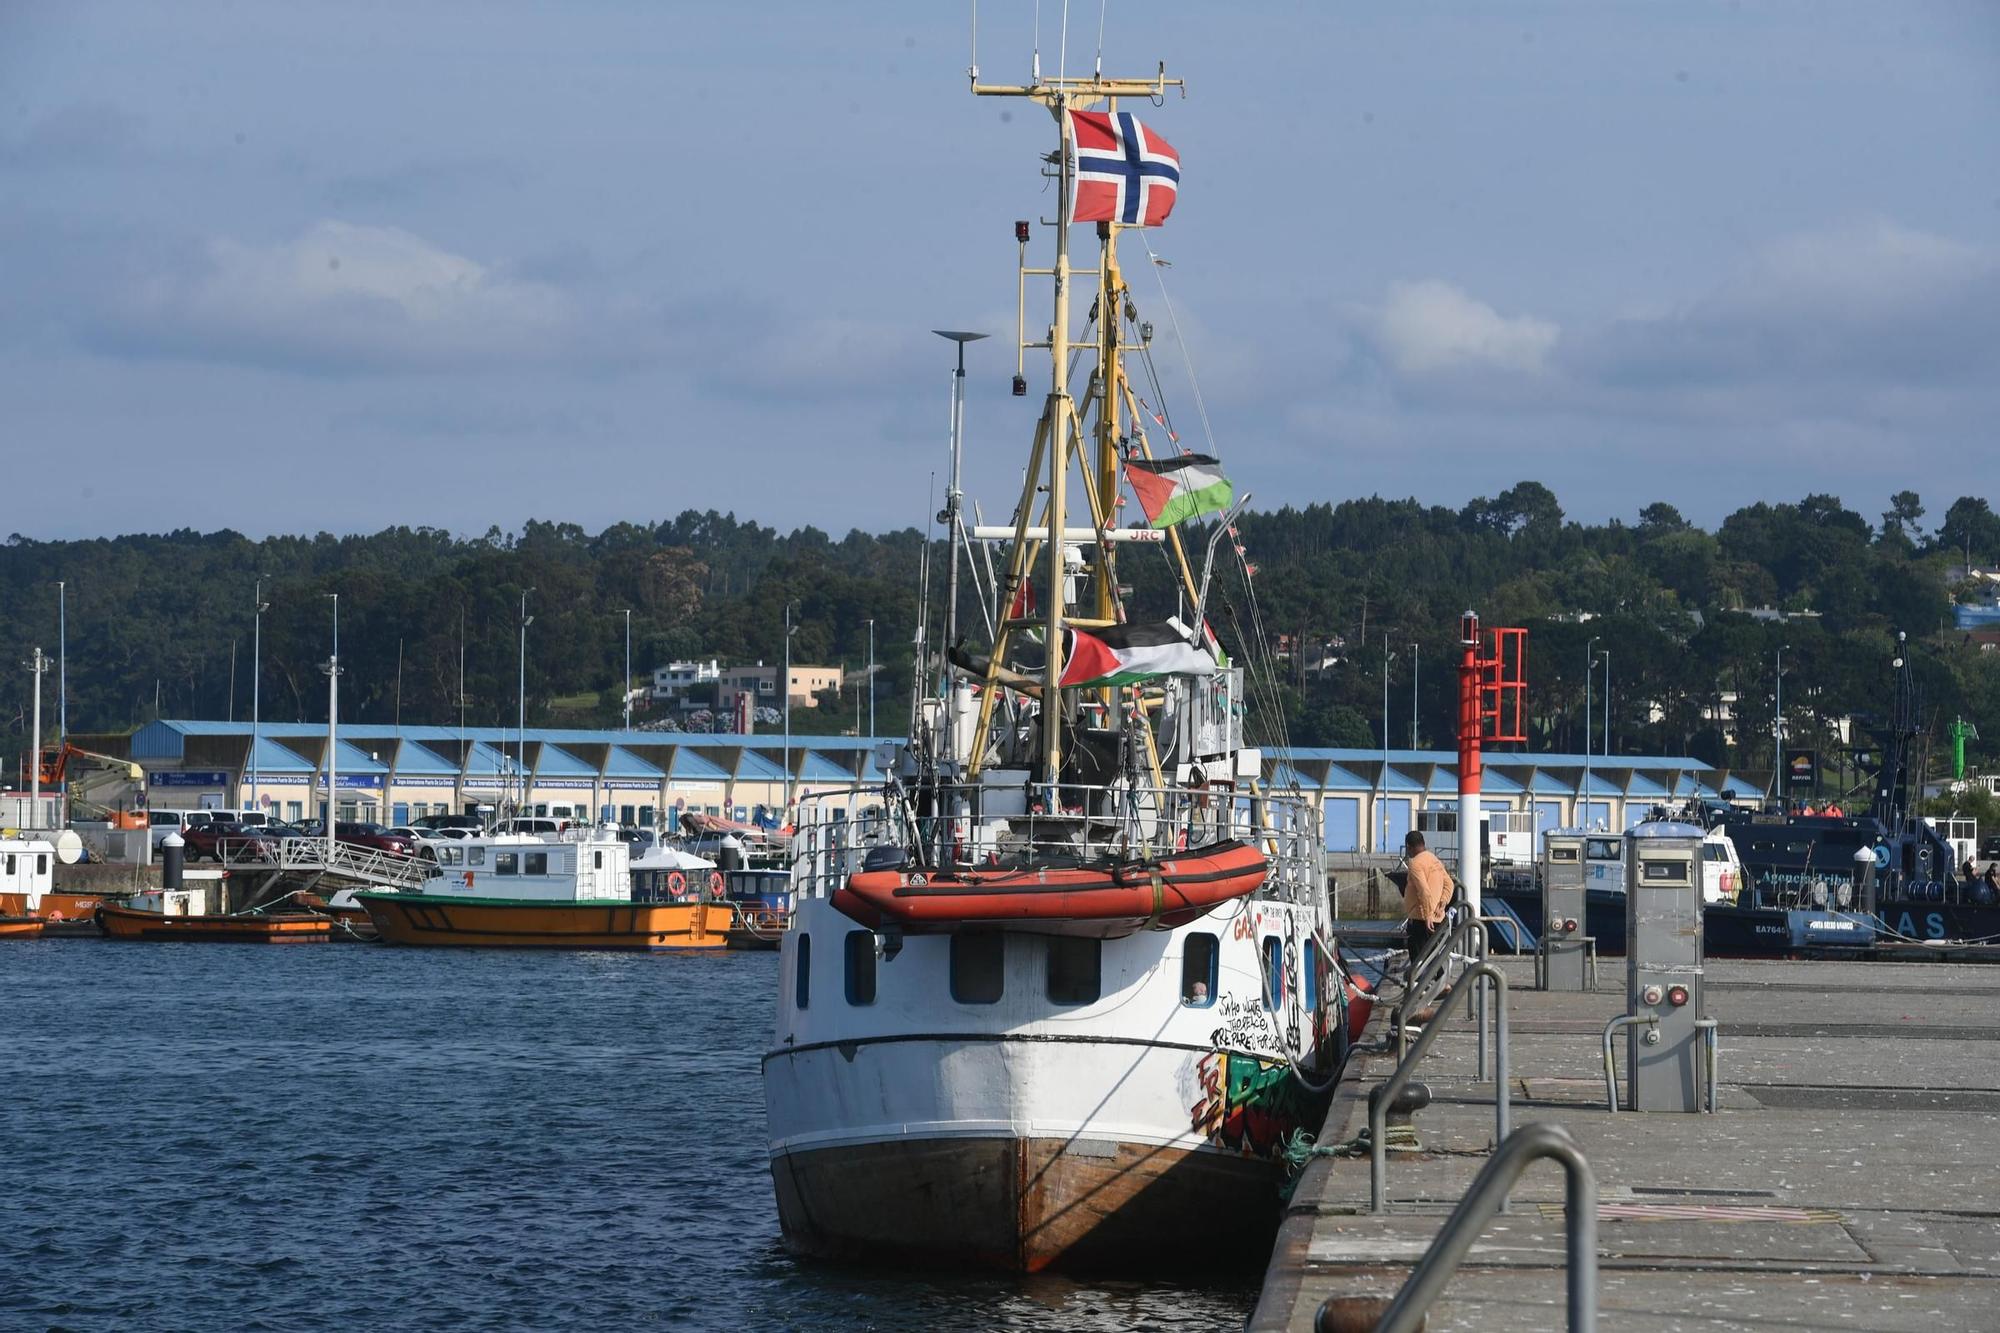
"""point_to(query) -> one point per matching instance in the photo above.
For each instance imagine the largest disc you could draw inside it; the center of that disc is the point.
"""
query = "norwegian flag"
(1124, 172)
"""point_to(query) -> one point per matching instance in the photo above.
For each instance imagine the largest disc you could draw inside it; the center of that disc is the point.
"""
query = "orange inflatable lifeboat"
(1103, 898)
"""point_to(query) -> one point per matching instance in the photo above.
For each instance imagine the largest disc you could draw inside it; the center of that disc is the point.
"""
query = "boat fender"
(677, 884)
(715, 883)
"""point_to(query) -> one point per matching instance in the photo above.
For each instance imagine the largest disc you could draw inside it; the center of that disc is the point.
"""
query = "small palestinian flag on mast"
(1123, 654)
(1173, 490)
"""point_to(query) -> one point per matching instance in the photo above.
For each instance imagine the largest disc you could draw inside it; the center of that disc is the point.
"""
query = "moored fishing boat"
(172, 914)
(1064, 1001)
(27, 883)
(511, 892)
(20, 927)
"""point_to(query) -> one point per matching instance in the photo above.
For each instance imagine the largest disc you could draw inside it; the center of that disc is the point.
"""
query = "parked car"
(446, 834)
(375, 838)
(218, 841)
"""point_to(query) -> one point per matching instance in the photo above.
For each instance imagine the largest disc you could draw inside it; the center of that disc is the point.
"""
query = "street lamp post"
(1589, 670)
(1416, 669)
(1607, 705)
(62, 663)
(260, 606)
(628, 668)
(1383, 782)
(521, 716)
(786, 687)
(332, 670)
(1778, 728)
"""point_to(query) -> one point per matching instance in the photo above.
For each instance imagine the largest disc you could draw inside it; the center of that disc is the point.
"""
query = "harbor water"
(342, 1136)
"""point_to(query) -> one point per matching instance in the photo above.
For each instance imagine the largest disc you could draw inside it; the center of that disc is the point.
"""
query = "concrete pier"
(1849, 1179)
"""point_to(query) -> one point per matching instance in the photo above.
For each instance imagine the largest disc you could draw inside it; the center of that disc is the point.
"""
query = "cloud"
(80, 134)
(344, 298)
(1431, 326)
(1858, 306)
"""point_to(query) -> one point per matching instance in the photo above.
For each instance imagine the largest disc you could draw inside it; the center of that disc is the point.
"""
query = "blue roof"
(819, 767)
(622, 763)
(1641, 785)
(415, 758)
(560, 763)
(754, 767)
(697, 767)
(272, 757)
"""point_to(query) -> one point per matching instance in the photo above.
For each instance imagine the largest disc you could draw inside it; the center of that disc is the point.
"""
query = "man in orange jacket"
(1426, 894)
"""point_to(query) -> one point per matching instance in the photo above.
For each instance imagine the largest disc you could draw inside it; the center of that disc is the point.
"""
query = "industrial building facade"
(1368, 799)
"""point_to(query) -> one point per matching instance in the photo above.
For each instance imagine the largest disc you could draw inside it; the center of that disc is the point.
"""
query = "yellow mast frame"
(1061, 430)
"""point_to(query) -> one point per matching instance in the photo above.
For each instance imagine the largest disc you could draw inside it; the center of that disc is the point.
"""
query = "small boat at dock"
(165, 914)
(20, 927)
(514, 892)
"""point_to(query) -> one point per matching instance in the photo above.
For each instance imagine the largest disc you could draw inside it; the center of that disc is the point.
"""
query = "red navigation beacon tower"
(1492, 690)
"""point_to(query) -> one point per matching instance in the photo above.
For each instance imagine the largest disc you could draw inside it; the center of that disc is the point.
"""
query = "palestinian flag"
(1122, 654)
(1172, 490)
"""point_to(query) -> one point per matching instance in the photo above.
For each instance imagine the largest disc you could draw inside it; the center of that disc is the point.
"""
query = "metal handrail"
(1711, 1048)
(1486, 1198)
(974, 820)
(1514, 929)
(1385, 1092)
(1467, 937)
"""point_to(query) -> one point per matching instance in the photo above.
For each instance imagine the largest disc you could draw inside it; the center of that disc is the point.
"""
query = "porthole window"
(802, 977)
(1076, 970)
(860, 947)
(1199, 955)
(1274, 973)
(978, 968)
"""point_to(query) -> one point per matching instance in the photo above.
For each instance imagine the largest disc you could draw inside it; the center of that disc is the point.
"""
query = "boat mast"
(1059, 415)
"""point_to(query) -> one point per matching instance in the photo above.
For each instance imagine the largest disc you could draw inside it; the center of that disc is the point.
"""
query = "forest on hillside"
(1343, 596)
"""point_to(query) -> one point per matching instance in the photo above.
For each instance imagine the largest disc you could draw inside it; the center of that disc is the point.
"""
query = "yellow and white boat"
(515, 892)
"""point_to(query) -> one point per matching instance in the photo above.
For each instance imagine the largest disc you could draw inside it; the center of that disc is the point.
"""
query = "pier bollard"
(173, 853)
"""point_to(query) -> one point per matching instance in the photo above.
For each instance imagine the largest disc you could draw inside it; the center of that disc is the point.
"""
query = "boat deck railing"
(976, 824)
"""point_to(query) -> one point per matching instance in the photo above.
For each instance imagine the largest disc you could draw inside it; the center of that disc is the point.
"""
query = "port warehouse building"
(1368, 799)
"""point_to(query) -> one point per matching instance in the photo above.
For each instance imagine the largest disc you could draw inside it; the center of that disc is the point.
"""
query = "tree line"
(1342, 596)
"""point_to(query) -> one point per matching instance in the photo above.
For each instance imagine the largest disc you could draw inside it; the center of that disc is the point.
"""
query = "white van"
(548, 830)
(159, 823)
(247, 818)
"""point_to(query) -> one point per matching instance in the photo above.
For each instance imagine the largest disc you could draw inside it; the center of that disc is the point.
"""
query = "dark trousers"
(1419, 934)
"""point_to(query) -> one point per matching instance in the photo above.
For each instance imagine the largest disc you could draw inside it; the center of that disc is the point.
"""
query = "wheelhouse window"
(506, 863)
(1199, 958)
(450, 856)
(538, 863)
(803, 975)
(1311, 978)
(475, 856)
(1274, 973)
(978, 968)
(860, 949)
(1076, 970)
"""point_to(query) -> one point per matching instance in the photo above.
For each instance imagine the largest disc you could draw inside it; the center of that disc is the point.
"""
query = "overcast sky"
(300, 266)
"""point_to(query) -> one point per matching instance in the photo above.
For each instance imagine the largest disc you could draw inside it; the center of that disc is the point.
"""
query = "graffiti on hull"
(1247, 1103)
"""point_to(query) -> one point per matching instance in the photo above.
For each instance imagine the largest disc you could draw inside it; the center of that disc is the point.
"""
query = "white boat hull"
(1135, 1131)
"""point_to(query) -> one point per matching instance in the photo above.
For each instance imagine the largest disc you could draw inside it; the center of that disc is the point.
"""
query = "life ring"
(677, 884)
(715, 882)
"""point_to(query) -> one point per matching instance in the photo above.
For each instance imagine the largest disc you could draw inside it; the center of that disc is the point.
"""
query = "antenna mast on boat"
(1060, 429)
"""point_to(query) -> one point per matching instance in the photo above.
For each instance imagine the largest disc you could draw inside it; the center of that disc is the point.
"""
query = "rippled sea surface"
(214, 1136)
